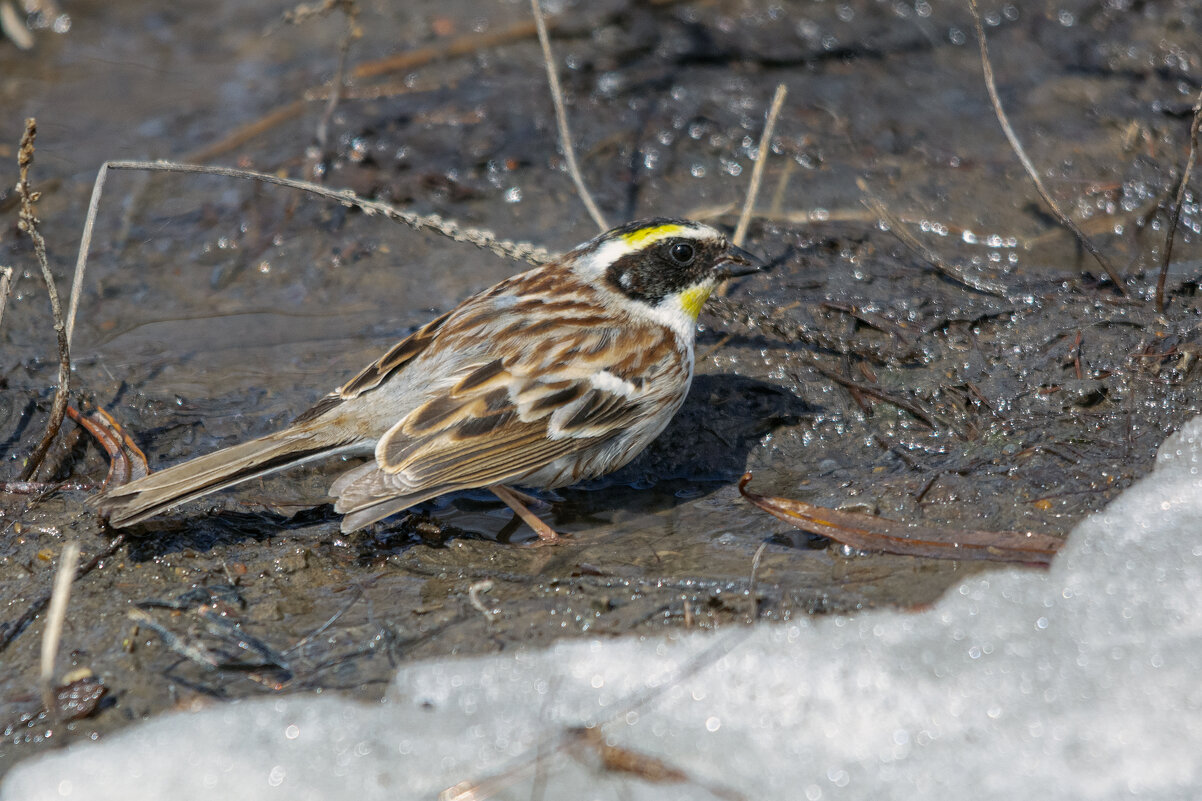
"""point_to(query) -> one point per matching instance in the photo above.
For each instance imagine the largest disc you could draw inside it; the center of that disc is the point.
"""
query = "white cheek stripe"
(593, 266)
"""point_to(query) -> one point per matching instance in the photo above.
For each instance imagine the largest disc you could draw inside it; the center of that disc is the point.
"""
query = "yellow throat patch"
(691, 300)
(645, 236)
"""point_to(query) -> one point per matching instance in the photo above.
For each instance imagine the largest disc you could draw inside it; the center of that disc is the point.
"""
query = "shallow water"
(215, 311)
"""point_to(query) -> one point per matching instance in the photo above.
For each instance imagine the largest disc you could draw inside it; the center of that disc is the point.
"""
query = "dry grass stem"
(778, 195)
(486, 240)
(791, 331)
(561, 119)
(757, 172)
(995, 99)
(28, 223)
(755, 566)
(330, 621)
(195, 654)
(85, 241)
(335, 93)
(377, 91)
(6, 283)
(55, 616)
(898, 229)
(433, 223)
(1180, 201)
(459, 46)
(350, 9)
(13, 27)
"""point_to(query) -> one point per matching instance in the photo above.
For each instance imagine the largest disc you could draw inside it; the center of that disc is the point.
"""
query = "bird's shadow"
(705, 447)
(723, 419)
(196, 531)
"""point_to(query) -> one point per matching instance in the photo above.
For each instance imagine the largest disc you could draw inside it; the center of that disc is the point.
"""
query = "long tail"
(134, 502)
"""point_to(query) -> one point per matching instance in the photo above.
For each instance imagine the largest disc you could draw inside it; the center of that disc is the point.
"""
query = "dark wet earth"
(216, 310)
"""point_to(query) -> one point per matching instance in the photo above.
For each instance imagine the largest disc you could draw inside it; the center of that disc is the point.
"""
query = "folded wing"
(506, 418)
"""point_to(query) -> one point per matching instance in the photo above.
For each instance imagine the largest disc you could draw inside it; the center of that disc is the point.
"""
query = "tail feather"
(134, 502)
(367, 494)
(365, 511)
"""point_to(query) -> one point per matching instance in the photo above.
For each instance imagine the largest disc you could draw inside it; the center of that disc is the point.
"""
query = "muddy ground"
(216, 310)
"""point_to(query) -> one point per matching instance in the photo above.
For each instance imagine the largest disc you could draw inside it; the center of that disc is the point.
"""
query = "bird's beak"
(736, 262)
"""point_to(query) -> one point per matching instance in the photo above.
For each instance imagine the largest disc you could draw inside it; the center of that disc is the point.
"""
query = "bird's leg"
(529, 500)
(514, 500)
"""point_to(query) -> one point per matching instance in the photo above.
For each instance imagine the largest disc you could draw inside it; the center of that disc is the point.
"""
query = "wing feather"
(504, 404)
(508, 418)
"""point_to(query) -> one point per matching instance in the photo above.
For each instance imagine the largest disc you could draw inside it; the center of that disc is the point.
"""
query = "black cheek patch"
(652, 275)
(645, 276)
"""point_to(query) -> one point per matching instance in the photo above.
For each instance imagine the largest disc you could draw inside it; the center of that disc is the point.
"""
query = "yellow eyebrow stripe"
(645, 236)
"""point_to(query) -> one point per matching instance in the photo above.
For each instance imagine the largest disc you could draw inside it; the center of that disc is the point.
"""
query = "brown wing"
(469, 317)
(511, 416)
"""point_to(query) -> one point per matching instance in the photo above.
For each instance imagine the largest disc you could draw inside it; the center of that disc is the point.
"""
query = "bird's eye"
(682, 253)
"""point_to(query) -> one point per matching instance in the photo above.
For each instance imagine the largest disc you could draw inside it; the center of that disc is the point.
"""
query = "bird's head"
(670, 265)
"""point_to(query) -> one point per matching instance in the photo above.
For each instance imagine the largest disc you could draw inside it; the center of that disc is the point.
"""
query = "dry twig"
(871, 533)
(1028, 165)
(301, 14)
(28, 223)
(1189, 167)
(561, 120)
(245, 133)
(877, 321)
(778, 195)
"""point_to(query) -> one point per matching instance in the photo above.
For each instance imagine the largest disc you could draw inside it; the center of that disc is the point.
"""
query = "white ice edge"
(1076, 682)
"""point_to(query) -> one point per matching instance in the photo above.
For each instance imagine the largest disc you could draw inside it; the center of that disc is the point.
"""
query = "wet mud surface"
(216, 310)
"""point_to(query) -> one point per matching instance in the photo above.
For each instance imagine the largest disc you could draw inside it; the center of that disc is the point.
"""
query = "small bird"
(554, 376)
